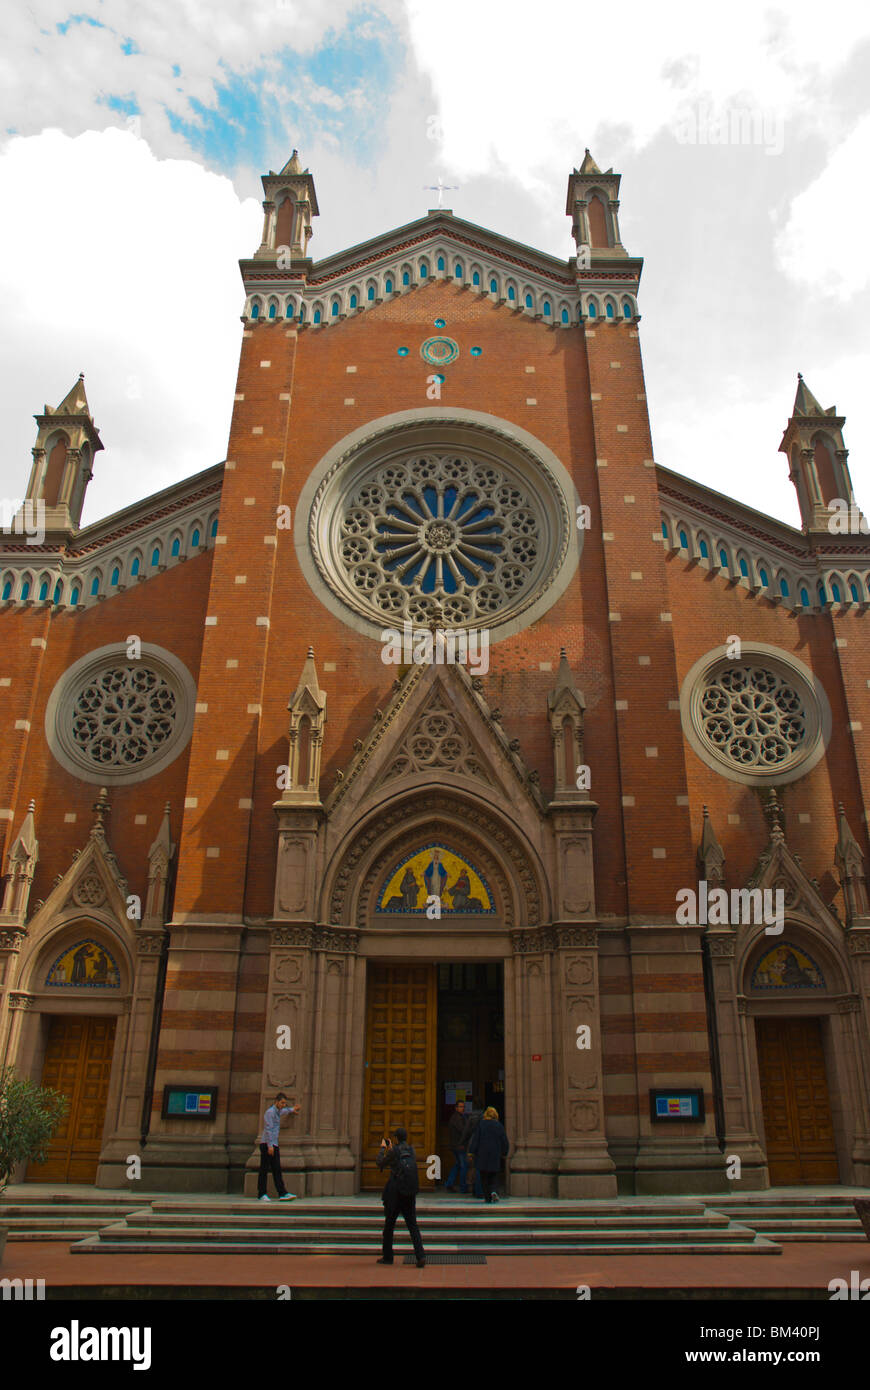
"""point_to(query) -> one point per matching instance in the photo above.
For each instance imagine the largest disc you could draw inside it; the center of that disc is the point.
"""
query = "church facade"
(439, 743)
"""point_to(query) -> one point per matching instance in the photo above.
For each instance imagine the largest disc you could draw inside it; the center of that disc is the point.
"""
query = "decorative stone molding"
(317, 938)
(89, 891)
(150, 943)
(850, 1004)
(18, 999)
(458, 813)
(858, 943)
(534, 942)
(576, 936)
(722, 946)
(12, 940)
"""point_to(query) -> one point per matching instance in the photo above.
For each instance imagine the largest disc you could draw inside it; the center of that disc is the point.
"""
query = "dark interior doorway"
(470, 1043)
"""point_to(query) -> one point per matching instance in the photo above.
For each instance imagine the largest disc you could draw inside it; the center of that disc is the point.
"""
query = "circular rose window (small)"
(113, 719)
(440, 352)
(761, 718)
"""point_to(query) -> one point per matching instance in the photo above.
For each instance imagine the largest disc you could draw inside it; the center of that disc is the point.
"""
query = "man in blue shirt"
(270, 1153)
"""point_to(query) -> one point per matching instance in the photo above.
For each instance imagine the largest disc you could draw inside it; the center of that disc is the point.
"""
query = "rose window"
(761, 720)
(123, 715)
(114, 720)
(440, 535)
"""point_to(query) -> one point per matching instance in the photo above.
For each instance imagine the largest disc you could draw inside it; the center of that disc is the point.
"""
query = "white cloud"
(818, 247)
(122, 266)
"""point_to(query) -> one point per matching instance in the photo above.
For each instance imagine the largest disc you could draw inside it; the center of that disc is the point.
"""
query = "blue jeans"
(460, 1167)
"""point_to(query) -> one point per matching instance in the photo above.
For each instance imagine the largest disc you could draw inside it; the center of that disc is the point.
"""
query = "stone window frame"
(788, 666)
(66, 689)
(423, 429)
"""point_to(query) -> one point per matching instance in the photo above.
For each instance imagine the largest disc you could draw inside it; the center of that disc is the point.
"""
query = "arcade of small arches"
(756, 571)
(137, 560)
(534, 300)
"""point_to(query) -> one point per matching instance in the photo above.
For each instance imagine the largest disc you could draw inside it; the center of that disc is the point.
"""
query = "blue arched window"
(723, 559)
(835, 590)
(43, 589)
(155, 555)
(25, 589)
(805, 598)
(194, 540)
(95, 586)
(116, 575)
(529, 304)
(406, 277)
(512, 294)
(255, 311)
(744, 568)
(853, 590)
(388, 285)
(214, 527)
(593, 312)
(626, 309)
(548, 311)
(493, 287)
(176, 547)
(334, 310)
(272, 311)
(665, 529)
(457, 270)
(610, 311)
(440, 263)
(74, 596)
(475, 279)
(783, 588)
(424, 270)
(353, 301)
(302, 312)
(684, 540)
(57, 592)
(316, 316)
(702, 546)
(822, 595)
(762, 574)
(564, 315)
(134, 568)
(7, 588)
(370, 294)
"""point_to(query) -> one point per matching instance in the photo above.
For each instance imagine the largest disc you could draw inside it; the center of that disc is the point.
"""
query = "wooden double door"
(78, 1063)
(798, 1126)
(401, 1048)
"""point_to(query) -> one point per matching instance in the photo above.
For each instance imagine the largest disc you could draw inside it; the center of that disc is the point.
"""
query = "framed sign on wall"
(189, 1102)
(676, 1104)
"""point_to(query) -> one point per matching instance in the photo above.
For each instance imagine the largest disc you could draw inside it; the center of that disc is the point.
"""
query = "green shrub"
(29, 1116)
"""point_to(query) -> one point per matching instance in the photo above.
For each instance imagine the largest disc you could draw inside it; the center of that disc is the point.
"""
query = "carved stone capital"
(149, 943)
(858, 942)
(849, 1004)
(18, 999)
(567, 937)
(722, 944)
(343, 940)
(533, 942)
(12, 940)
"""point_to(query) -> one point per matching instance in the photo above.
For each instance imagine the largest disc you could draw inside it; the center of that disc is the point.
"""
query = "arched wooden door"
(798, 1127)
(401, 1059)
(78, 1063)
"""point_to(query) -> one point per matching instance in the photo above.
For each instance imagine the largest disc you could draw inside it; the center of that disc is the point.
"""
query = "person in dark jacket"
(472, 1120)
(489, 1144)
(456, 1139)
(402, 1163)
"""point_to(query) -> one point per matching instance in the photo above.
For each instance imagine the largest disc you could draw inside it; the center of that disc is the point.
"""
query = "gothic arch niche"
(517, 883)
(803, 1037)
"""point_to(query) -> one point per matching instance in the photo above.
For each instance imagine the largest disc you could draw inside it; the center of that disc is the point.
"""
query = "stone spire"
(711, 856)
(818, 465)
(593, 206)
(289, 204)
(160, 857)
(67, 440)
(307, 719)
(21, 864)
(850, 867)
(565, 708)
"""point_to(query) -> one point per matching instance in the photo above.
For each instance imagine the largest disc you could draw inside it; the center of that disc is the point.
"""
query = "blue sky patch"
(128, 105)
(79, 19)
(337, 93)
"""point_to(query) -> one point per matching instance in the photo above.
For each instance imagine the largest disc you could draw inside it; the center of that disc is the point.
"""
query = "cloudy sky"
(133, 134)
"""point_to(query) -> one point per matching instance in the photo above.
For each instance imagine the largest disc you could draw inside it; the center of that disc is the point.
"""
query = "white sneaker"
(288, 1197)
(264, 1198)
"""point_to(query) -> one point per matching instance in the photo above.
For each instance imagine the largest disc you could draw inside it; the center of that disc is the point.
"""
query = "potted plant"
(29, 1116)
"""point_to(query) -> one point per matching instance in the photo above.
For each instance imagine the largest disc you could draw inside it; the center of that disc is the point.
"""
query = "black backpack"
(405, 1172)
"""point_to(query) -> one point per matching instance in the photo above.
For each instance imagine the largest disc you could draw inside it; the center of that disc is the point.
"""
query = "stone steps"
(346, 1226)
(61, 1217)
(816, 1217)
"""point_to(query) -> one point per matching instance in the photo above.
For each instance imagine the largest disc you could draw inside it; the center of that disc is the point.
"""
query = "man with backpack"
(400, 1194)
